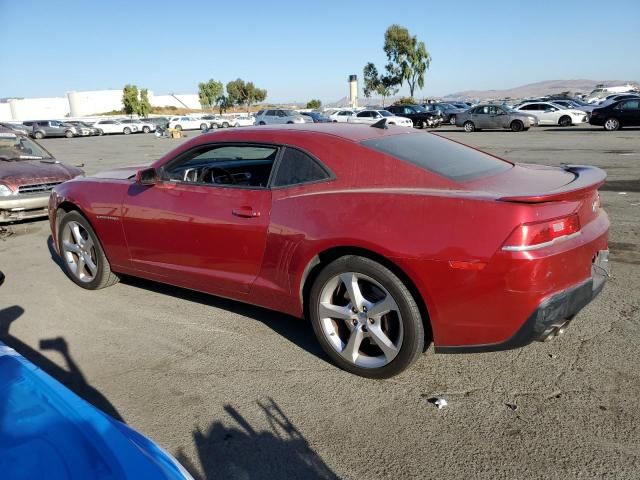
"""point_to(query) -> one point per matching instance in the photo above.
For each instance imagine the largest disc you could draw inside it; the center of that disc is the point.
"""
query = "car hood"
(123, 173)
(27, 172)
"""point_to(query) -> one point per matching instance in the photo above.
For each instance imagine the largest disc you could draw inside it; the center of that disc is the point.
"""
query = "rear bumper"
(552, 315)
(23, 207)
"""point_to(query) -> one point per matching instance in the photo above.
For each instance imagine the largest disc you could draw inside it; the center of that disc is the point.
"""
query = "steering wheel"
(210, 170)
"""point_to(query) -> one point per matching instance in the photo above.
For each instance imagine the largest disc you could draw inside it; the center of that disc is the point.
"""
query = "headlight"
(5, 191)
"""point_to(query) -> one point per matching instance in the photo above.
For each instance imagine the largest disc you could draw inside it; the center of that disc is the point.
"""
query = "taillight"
(531, 236)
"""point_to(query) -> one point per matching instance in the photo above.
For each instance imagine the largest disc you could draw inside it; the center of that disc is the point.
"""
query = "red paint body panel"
(188, 235)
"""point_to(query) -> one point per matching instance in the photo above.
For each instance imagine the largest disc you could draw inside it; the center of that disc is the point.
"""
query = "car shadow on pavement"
(72, 377)
(54, 255)
(297, 331)
(240, 451)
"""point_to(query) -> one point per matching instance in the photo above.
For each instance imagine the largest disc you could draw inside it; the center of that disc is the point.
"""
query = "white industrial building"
(81, 104)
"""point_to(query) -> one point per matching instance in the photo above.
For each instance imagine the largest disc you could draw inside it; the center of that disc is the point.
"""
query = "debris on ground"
(438, 402)
(5, 232)
(555, 394)
(512, 406)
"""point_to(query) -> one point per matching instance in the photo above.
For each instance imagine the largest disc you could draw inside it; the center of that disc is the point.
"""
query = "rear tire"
(612, 124)
(79, 245)
(225, 124)
(396, 325)
(203, 126)
(517, 126)
(452, 120)
(469, 126)
(261, 123)
(178, 127)
(146, 129)
(38, 135)
(565, 121)
(68, 134)
(126, 130)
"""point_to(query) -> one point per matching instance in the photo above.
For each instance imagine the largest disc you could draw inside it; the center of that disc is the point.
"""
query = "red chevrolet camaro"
(384, 238)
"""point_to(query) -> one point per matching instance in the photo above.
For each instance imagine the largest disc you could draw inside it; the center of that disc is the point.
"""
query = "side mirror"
(147, 176)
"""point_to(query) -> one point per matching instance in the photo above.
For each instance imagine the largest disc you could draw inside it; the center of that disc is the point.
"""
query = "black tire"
(423, 124)
(261, 123)
(68, 134)
(100, 132)
(38, 135)
(104, 276)
(178, 127)
(565, 121)
(413, 336)
(225, 124)
(146, 129)
(203, 126)
(517, 126)
(126, 130)
(612, 124)
(469, 126)
(452, 120)
(214, 125)
(289, 123)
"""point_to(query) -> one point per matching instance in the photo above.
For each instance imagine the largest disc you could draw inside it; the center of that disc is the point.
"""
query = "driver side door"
(203, 224)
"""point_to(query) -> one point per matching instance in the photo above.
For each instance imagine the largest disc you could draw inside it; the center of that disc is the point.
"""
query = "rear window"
(438, 155)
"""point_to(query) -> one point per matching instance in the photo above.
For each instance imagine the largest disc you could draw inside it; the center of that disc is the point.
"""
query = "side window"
(270, 113)
(363, 114)
(529, 107)
(297, 167)
(259, 113)
(631, 105)
(228, 165)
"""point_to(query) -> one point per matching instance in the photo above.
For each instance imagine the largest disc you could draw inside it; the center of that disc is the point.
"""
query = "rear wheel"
(83, 258)
(469, 126)
(565, 121)
(225, 124)
(517, 126)
(68, 134)
(146, 129)
(178, 127)
(611, 124)
(261, 123)
(100, 132)
(365, 318)
(126, 130)
(203, 126)
(452, 120)
(38, 135)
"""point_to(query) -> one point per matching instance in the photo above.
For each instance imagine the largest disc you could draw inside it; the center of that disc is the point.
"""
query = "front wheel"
(178, 127)
(38, 135)
(517, 126)
(452, 120)
(146, 129)
(565, 121)
(469, 127)
(126, 130)
(611, 124)
(365, 318)
(100, 132)
(225, 124)
(203, 126)
(261, 123)
(82, 256)
(68, 134)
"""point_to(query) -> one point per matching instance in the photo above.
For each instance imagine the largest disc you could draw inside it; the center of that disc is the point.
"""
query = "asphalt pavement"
(235, 391)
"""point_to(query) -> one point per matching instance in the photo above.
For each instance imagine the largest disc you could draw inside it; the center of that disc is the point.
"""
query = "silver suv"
(51, 128)
(280, 116)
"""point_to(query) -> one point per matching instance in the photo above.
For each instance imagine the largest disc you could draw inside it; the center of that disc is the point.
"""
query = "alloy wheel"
(79, 252)
(611, 124)
(360, 319)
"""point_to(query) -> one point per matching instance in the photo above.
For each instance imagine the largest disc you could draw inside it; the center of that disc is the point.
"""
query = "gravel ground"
(236, 391)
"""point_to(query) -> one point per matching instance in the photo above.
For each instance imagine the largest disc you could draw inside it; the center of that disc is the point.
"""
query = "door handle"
(245, 212)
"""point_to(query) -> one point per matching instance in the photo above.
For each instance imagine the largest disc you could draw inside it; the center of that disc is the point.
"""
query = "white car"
(243, 121)
(373, 116)
(341, 116)
(144, 127)
(188, 123)
(549, 113)
(114, 126)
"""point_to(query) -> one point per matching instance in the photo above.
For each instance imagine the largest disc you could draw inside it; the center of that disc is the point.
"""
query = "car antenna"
(380, 124)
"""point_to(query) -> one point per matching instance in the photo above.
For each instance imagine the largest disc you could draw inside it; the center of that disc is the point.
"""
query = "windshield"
(17, 147)
(419, 108)
(384, 113)
(290, 113)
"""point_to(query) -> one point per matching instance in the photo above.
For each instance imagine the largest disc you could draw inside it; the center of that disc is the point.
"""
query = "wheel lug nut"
(354, 321)
(354, 309)
(372, 321)
(364, 309)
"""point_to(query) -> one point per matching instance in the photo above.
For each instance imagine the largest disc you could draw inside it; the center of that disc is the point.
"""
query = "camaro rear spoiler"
(586, 179)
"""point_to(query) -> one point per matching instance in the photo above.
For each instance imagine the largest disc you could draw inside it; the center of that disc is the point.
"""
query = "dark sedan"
(447, 111)
(417, 114)
(625, 113)
(317, 117)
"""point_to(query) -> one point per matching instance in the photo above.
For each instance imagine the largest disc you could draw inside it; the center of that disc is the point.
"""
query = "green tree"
(209, 92)
(314, 104)
(130, 100)
(383, 85)
(144, 107)
(224, 103)
(408, 57)
(244, 93)
(406, 101)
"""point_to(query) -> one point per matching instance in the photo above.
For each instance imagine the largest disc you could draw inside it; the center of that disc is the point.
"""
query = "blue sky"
(299, 50)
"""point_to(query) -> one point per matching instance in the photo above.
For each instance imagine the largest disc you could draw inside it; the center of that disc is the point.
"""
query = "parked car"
(625, 113)
(447, 111)
(83, 128)
(373, 116)
(47, 431)
(460, 105)
(50, 128)
(216, 121)
(549, 113)
(278, 116)
(616, 98)
(322, 231)
(114, 126)
(16, 127)
(188, 123)
(141, 125)
(341, 116)
(490, 116)
(317, 117)
(417, 114)
(243, 121)
(573, 105)
(28, 173)
(157, 121)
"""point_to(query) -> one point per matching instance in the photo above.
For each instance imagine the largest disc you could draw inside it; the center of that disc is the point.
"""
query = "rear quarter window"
(444, 157)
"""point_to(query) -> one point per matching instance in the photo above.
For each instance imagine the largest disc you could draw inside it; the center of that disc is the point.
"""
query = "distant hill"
(538, 89)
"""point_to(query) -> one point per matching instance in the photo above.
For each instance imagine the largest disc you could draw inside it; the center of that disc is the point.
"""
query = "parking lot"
(235, 391)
